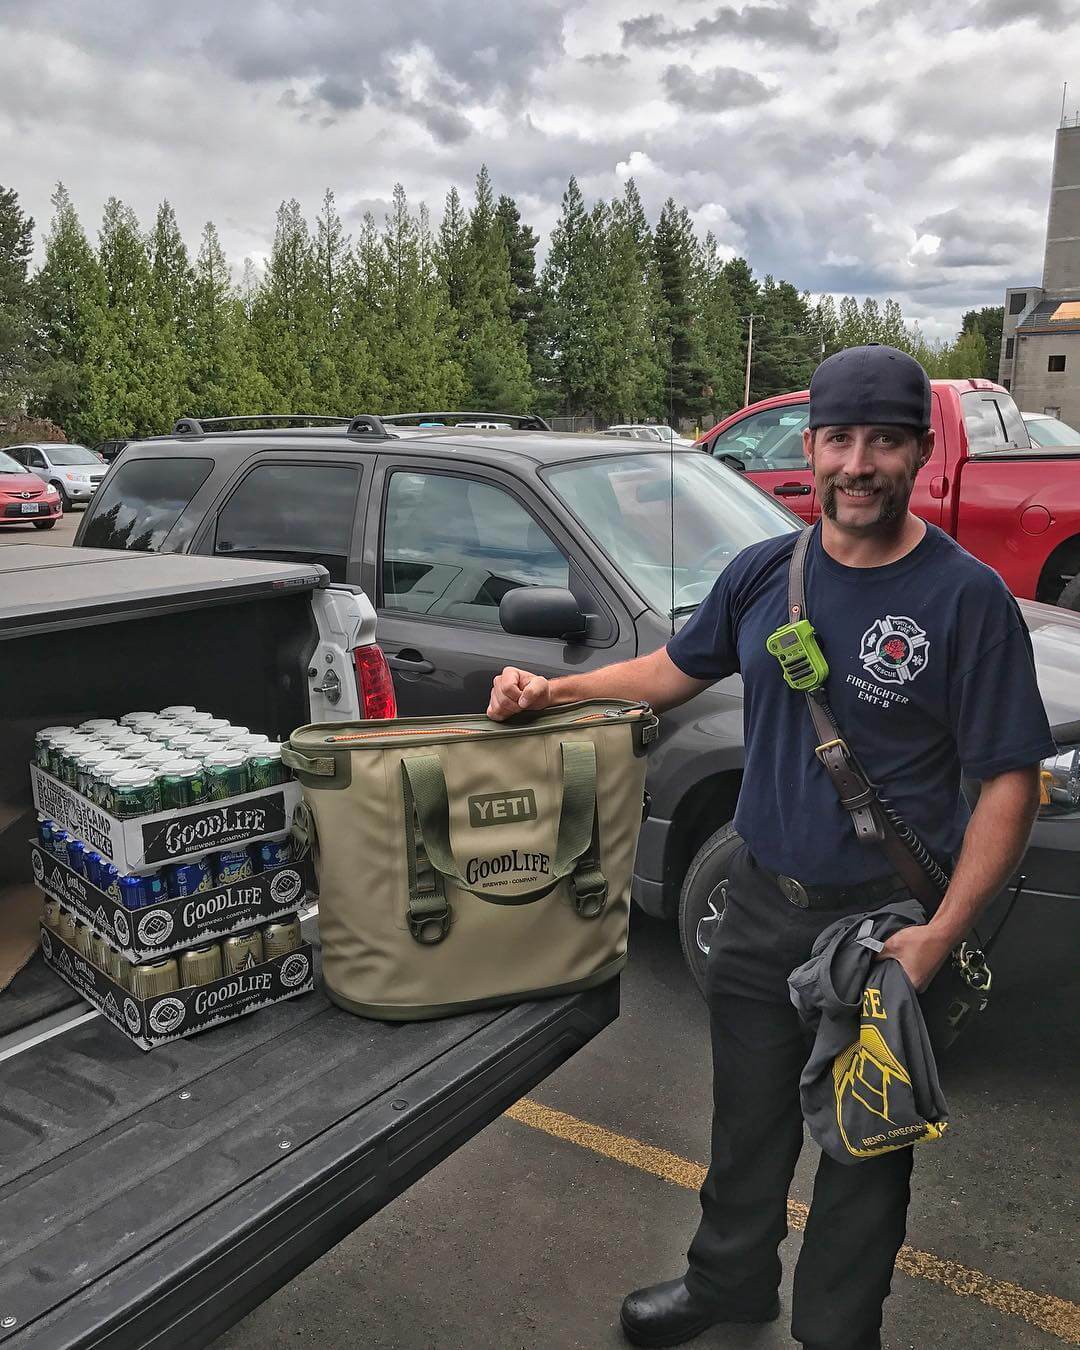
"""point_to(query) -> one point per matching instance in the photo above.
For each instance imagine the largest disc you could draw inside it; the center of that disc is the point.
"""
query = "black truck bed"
(152, 1199)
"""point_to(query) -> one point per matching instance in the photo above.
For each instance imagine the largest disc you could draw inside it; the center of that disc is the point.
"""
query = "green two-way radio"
(801, 659)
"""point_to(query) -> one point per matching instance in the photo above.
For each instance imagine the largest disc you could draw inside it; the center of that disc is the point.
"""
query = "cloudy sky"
(881, 147)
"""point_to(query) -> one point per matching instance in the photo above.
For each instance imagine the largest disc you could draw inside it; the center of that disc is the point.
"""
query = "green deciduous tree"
(987, 321)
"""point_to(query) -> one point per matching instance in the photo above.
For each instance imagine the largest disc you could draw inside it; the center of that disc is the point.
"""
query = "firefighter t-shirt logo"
(894, 650)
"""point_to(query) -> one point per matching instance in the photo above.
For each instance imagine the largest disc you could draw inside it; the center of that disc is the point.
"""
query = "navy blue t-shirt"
(930, 671)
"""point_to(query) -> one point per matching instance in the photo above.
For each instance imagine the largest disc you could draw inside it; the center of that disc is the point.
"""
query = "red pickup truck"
(1014, 505)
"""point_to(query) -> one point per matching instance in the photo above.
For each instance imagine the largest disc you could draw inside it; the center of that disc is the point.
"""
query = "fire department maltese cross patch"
(894, 649)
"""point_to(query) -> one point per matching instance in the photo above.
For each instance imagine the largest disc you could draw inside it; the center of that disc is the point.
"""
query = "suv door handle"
(792, 490)
(411, 661)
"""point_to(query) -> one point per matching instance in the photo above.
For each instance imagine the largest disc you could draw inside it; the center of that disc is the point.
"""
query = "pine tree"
(570, 286)
(786, 342)
(746, 296)
(893, 329)
(142, 386)
(173, 292)
(416, 356)
(721, 334)
(521, 244)
(284, 314)
(849, 325)
(16, 242)
(827, 323)
(452, 254)
(871, 320)
(677, 255)
(68, 298)
(224, 376)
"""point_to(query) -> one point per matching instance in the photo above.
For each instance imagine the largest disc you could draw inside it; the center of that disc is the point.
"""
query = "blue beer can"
(139, 892)
(231, 866)
(109, 879)
(189, 878)
(94, 863)
(46, 828)
(60, 839)
(76, 855)
(271, 853)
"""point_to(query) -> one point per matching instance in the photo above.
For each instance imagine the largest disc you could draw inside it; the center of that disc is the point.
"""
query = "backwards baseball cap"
(863, 386)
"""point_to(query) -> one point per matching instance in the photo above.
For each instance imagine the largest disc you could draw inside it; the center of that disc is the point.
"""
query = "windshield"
(1051, 431)
(9, 465)
(624, 502)
(72, 454)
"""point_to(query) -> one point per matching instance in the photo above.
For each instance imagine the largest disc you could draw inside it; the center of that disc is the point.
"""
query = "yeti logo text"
(502, 808)
(894, 650)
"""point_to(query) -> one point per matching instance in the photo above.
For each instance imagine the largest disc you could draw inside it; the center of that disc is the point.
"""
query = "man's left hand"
(920, 950)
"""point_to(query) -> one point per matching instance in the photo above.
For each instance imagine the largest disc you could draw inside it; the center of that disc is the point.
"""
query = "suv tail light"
(374, 682)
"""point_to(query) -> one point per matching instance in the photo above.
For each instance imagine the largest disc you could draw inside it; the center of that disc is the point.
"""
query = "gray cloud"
(1049, 14)
(789, 25)
(714, 90)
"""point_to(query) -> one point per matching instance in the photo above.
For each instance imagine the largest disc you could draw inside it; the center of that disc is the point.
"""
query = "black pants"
(759, 1046)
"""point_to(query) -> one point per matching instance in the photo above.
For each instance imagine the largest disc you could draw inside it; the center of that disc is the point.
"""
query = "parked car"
(73, 470)
(648, 431)
(24, 499)
(108, 450)
(1015, 506)
(1047, 431)
(407, 425)
(439, 530)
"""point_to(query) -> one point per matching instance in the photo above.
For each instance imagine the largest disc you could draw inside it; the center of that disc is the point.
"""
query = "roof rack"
(522, 421)
(364, 424)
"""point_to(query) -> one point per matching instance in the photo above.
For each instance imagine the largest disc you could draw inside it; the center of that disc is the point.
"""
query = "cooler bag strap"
(427, 818)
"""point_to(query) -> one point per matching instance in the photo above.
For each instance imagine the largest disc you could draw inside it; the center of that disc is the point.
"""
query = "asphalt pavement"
(530, 1234)
(63, 532)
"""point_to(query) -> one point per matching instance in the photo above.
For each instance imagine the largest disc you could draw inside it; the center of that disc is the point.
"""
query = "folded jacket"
(870, 1084)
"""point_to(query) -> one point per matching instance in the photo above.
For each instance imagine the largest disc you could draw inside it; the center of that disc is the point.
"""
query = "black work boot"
(668, 1314)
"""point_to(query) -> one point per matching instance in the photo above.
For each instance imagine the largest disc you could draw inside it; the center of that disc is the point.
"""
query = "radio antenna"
(671, 465)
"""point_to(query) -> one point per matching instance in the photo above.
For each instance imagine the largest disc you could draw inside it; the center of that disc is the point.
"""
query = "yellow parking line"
(1058, 1316)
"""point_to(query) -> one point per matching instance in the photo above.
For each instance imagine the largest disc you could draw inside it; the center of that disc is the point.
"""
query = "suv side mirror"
(541, 611)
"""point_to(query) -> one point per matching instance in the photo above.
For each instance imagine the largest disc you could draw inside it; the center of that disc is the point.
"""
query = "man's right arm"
(654, 679)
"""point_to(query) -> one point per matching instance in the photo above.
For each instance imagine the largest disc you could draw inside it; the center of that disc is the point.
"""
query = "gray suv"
(525, 548)
(74, 470)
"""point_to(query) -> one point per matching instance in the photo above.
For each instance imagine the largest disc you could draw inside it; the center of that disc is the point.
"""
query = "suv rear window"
(142, 500)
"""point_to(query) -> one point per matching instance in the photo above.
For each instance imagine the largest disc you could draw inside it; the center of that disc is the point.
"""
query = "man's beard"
(892, 499)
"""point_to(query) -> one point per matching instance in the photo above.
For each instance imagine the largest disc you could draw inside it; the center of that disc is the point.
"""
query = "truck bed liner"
(174, 1190)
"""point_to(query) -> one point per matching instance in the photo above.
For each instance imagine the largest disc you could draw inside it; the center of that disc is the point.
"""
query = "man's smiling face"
(864, 475)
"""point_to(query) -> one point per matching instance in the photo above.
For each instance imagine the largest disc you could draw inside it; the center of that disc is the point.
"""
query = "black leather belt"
(864, 894)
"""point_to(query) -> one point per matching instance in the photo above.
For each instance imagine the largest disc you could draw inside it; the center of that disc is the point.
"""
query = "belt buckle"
(794, 891)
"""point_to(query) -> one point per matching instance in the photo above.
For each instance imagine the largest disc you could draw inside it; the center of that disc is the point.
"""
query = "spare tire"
(704, 895)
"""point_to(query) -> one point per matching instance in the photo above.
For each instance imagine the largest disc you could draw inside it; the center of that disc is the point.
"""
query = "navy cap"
(863, 386)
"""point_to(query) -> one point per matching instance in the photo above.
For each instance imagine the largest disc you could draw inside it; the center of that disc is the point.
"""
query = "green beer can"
(42, 741)
(177, 709)
(264, 766)
(87, 765)
(134, 792)
(182, 782)
(226, 774)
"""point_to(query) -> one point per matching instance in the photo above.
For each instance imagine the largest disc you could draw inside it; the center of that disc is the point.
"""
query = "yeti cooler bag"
(464, 862)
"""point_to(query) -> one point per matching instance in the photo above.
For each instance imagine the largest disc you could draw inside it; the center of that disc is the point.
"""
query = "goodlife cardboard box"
(169, 1017)
(173, 925)
(149, 842)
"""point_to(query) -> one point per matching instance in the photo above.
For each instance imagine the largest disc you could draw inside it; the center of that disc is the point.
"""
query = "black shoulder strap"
(874, 824)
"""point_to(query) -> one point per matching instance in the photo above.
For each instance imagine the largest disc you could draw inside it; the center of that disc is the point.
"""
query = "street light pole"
(749, 353)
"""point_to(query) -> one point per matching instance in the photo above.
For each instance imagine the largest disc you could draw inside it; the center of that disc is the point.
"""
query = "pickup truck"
(154, 1198)
(1014, 505)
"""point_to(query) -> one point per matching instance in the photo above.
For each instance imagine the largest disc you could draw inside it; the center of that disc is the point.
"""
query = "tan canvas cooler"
(464, 862)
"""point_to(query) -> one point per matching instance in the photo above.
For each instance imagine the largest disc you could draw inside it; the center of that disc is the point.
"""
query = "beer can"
(76, 855)
(139, 892)
(65, 926)
(181, 783)
(271, 853)
(264, 766)
(175, 710)
(81, 940)
(99, 952)
(226, 774)
(232, 865)
(109, 880)
(98, 782)
(93, 862)
(50, 912)
(190, 878)
(155, 977)
(193, 718)
(60, 839)
(213, 724)
(241, 951)
(42, 740)
(136, 747)
(225, 735)
(57, 744)
(134, 793)
(156, 759)
(118, 968)
(46, 828)
(281, 937)
(86, 766)
(64, 753)
(132, 719)
(200, 965)
(97, 724)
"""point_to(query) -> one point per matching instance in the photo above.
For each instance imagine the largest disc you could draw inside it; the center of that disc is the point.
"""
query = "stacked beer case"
(171, 890)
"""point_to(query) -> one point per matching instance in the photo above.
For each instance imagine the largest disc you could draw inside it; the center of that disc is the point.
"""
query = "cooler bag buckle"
(429, 919)
(589, 897)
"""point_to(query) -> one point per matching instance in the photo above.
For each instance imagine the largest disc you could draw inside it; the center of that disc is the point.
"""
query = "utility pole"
(749, 354)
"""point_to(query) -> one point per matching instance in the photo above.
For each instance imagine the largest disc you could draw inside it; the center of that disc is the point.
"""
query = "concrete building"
(1040, 337)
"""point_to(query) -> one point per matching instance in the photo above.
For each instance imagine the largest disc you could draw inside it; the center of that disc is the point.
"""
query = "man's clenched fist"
(514, 691)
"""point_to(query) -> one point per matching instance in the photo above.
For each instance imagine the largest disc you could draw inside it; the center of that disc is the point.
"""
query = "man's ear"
(808, 447)
(926, 447)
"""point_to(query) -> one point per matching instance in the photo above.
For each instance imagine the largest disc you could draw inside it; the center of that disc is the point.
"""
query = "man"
(931, 672)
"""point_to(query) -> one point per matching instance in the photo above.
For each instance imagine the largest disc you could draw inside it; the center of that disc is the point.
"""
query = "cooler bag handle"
(431, 858)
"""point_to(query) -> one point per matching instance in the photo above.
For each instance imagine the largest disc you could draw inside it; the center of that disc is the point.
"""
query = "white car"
(1047, 432)
(73, 470)
(648, 431)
